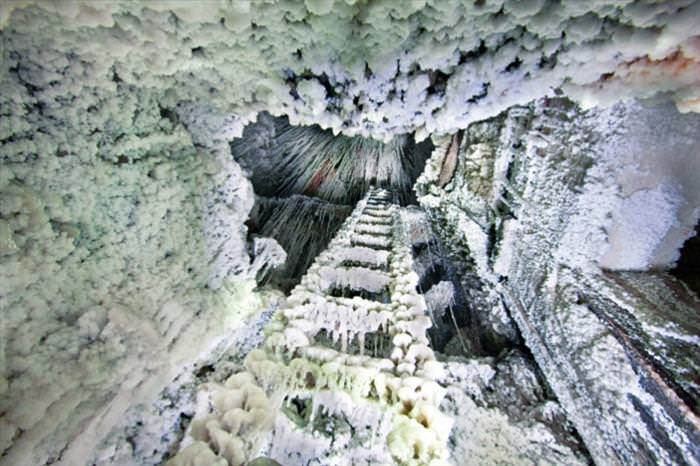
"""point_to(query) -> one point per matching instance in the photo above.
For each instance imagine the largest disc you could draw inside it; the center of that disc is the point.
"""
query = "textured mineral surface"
(473, 222)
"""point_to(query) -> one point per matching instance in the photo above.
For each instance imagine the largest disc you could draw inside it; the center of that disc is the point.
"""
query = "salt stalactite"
(392, 397)
(302, 225)
(284, 160)
(377, 69)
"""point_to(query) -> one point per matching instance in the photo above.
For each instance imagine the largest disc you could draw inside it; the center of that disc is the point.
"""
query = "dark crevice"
(687, 268)
(375, 221)
(434, 275)
(514, 65)
(383, 267)
(438, 82)
(340, 291)
(361, 243)
(466, 57)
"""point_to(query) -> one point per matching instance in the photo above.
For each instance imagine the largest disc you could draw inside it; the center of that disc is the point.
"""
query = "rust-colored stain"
(449, 164)
(319, 177)
(676, 65)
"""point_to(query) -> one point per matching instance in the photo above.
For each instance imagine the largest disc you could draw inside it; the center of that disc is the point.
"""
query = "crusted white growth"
(198, 454)
(434, 65)
(356, 278)
(394, 399)
(112, 223)
(440, 297)
(345, 319)
(267, 255)
(230, 423)
(363, 255)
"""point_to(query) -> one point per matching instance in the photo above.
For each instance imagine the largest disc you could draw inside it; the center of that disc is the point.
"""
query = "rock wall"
(122, 248)
(546, 200)
(122, 245)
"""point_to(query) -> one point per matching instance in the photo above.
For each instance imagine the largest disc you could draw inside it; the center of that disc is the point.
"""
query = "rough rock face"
(377, 68)
(119, 237)
(124, 257)
(545, 198)
(503, 415)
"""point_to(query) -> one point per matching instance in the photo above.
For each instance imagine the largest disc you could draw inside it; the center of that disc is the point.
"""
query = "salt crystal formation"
(542, 198)
(378, 68)
(136, 262)
(329, 356)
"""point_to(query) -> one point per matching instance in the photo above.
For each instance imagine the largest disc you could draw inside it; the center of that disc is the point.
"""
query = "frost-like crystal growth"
(361, 358)
(377, 68)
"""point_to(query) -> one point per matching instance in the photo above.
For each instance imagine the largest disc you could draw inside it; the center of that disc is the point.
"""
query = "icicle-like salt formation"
(284, 160)
(302, 225)
(353, 299)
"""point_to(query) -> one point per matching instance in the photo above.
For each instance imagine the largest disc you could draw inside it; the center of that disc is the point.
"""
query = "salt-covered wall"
(540, 199)
(122, 248)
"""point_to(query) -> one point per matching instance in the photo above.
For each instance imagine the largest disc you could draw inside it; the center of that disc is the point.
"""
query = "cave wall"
(122, 248)
(537, 199)
(123, 253)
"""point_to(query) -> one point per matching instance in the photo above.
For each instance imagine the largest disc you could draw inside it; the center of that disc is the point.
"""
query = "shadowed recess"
(283, 160)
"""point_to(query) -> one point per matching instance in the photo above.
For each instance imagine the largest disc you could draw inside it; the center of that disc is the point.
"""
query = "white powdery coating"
(486, 434)
(571, 175)
(112, 223)
(380, 69)
(268, 255)
(227, 204)
(641, 220)
(641, 200)
(506, 248)
(160, 423)
(372, 240)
